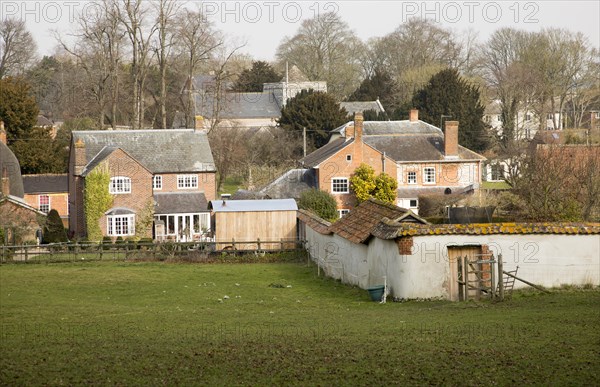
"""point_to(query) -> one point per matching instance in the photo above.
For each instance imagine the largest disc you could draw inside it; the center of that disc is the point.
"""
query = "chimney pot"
(413, 115)
(451, 140)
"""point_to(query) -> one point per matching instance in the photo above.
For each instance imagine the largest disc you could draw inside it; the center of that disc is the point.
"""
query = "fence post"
(258, 244)
(26, 252)
(500, 278)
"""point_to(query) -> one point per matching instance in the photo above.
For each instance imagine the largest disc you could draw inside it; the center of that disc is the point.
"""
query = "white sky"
(263, 24)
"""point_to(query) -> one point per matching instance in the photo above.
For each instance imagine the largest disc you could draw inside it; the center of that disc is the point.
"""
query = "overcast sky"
(263, 24)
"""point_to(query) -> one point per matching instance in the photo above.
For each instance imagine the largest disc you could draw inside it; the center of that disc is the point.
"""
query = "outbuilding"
(254, 224)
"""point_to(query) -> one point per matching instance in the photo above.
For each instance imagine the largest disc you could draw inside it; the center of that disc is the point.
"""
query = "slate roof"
(326, 151)
(253, 205)
(239, 105)
(416, 148)
(179, 202)
(48, 183)
(389, 229)
(405, 141)
(290, 185)
(158, 150)
(357, 225)
(21, 203)
(10, 165)
(361, 106)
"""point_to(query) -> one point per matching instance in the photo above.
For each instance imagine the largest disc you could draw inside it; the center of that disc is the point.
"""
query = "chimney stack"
(358, 126)
(199, 123)
(80, 158)
(451, 140)
(413, 116)
(2, 133)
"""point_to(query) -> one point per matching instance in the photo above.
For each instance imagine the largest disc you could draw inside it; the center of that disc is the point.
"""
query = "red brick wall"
(338, 166)
(446, 174)
(58, 202)
(405, 245)
(206, 184)
(121, 164)
(13, 215)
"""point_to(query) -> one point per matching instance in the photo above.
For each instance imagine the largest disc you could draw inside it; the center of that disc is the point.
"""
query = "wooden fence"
(192, 251)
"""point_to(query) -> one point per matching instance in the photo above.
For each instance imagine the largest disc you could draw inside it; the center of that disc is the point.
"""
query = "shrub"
(319, 202)
(54, 231)
(107, 243)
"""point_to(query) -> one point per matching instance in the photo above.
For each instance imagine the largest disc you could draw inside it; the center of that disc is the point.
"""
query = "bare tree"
(133, 16)
(98, 51)
(167, 11)
(196, 42)
(17, 47)
(325, 49)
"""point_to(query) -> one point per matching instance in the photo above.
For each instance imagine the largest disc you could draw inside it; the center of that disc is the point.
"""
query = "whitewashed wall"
(548, 260)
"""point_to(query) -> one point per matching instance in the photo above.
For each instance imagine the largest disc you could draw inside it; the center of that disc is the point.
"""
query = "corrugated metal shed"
(253, 205)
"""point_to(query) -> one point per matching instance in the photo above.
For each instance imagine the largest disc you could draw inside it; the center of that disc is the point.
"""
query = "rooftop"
(47, 183)
(181, 150)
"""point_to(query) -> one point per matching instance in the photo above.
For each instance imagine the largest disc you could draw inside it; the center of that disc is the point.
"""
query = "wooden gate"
(472, 273)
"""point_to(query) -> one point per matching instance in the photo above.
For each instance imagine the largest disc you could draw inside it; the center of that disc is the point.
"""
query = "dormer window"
(120, 185)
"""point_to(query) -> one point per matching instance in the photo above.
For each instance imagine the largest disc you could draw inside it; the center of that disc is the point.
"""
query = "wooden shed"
(254, 224)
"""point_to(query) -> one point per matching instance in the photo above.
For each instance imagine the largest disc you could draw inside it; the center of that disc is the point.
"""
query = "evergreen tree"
(318, 112)
(378, 86)
(251, 80)
(54, 231)
(448, 94)
(319, 202)
(18, 108)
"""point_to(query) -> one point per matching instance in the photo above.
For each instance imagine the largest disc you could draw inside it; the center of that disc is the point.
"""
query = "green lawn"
(169, 324)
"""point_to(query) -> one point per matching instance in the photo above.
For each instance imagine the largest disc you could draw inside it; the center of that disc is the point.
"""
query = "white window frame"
(338, 181)
(410, 204)
(426, 176)
(157, 182)
(116, 221)
(40, 203)
(408, 180)
(187, 181)
(124, 188)
(598, 115)
(343, 212)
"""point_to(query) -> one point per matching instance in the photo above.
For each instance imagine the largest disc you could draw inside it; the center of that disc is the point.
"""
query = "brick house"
(423, 159)
(48, 192)
(19, 222)
(168, 175)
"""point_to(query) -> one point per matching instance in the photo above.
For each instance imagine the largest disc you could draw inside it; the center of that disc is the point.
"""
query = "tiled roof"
(314, 222)
(416, 147)
(388, 229)
(179, 203)
(361, 106)
(48, 183)
(158, 150)
(357, 225)
(391, 128)
(240, 105)
(323, 153)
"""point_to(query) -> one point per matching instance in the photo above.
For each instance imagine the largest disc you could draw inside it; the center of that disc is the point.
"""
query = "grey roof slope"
(290, 185)
(361, 106)
(160, 151)
(178, 203)
(323, 153)
(416, 148)
(240, 105)
(390, 128)
(253, 205)
(10, 165)
(48, 183)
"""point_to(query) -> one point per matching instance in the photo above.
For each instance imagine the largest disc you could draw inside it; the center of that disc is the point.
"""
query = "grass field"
(169, 324)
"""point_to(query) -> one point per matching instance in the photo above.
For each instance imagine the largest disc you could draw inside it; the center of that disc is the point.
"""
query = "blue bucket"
(376, 292)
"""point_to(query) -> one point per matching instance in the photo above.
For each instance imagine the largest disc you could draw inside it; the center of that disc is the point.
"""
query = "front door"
(185, 227)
